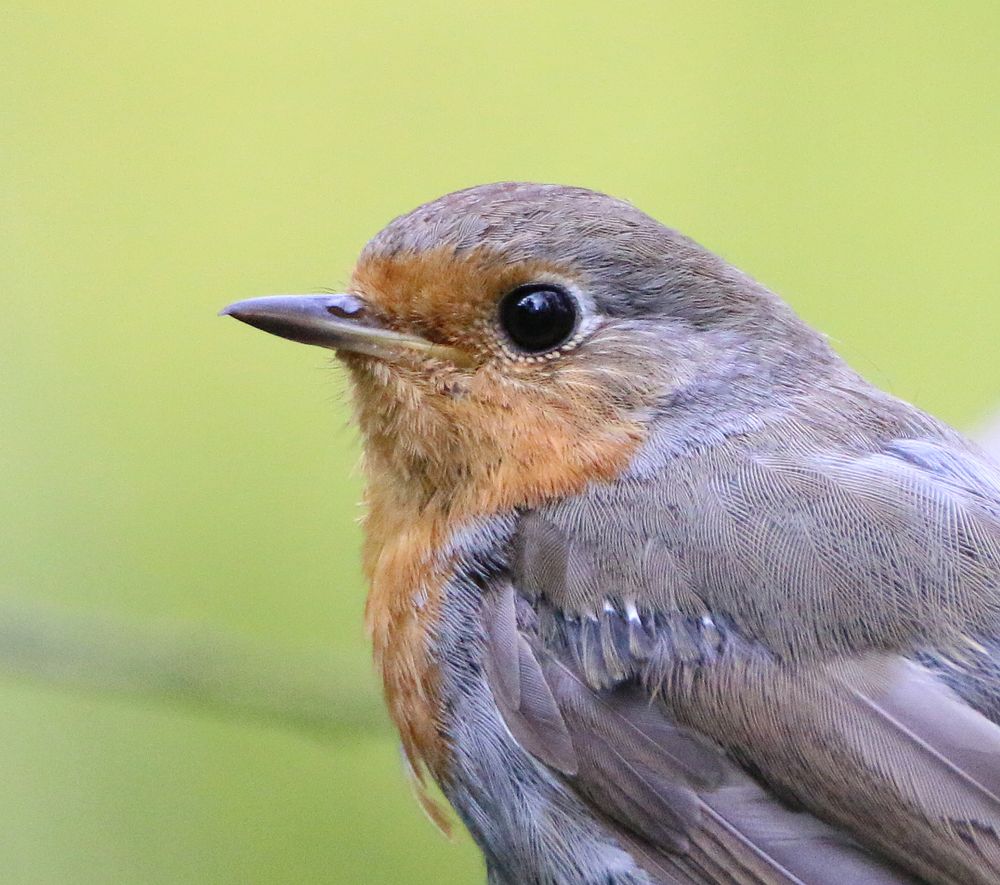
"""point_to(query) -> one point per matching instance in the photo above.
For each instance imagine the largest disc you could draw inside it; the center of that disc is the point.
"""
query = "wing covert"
(687, 812)
(819, 621)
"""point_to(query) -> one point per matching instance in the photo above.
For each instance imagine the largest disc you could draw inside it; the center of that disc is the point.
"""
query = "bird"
(660, 589)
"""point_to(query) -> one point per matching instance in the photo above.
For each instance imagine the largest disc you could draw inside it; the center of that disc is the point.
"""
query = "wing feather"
(827, 613)
(686, 812)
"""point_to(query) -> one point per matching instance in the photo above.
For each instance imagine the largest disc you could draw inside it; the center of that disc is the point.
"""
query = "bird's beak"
(340, 322)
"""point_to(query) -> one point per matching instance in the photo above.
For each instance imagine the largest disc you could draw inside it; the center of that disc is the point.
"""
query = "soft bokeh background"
(169, 468)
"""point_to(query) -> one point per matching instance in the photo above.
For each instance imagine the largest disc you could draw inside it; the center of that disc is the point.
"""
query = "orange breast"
(403, 609)
(408, 571)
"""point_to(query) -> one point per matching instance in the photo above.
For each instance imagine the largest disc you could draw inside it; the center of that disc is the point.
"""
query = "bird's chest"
(407, 574)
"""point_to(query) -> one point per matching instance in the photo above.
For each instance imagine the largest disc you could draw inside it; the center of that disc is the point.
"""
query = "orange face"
(449, 298)
(487, 426)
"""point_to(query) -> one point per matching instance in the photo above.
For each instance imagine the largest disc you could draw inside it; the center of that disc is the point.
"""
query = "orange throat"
(407, 583)
(416, 505)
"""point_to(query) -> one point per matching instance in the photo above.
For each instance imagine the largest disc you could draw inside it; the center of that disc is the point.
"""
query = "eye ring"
(539, 317)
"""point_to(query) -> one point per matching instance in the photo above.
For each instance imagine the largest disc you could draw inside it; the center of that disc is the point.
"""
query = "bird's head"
(513, 342)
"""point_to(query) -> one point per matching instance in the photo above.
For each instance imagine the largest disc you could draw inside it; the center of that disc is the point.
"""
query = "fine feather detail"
(521, 691)
(500, 623)
(677, 793)
(421, 791)
(923, 711)
(685, 812)
(753, 564)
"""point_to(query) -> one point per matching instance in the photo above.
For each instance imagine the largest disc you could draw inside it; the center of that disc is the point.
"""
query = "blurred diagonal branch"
(326, 694)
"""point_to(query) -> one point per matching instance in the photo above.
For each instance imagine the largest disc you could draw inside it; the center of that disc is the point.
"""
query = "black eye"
(538, 318)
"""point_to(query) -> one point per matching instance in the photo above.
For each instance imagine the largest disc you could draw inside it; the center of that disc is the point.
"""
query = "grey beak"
(323, 320)
(341, 322)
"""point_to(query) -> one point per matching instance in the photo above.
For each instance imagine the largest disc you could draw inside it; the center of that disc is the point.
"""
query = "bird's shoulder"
(780, 618)
(882, 522)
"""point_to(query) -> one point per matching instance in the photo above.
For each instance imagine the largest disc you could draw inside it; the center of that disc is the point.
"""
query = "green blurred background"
(171, 469)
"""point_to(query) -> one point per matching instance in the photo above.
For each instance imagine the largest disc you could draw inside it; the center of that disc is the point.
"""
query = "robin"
(661, 590)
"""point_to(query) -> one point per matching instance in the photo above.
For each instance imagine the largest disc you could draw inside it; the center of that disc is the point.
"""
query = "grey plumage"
(858, 579)
(684, 811)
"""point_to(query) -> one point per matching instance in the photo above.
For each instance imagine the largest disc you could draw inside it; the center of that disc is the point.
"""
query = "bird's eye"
(538, 318)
